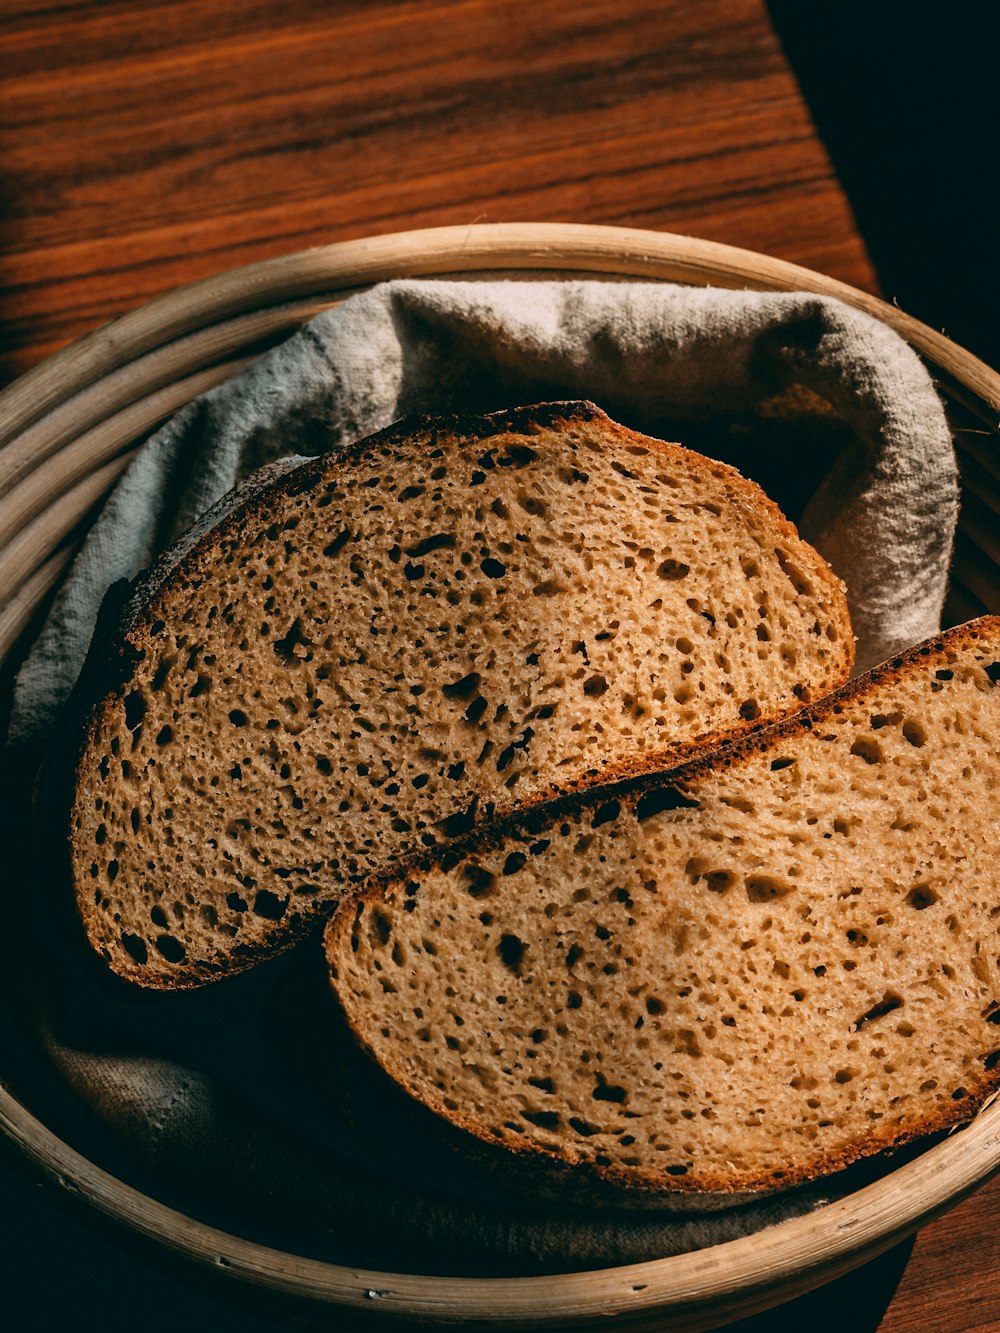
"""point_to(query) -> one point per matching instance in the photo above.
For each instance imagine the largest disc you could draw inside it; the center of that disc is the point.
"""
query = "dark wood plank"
(945, 1280)
(143, 154)
(952, 1281)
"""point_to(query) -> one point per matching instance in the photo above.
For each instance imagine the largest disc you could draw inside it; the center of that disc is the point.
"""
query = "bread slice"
(736, 976)
(454, 619)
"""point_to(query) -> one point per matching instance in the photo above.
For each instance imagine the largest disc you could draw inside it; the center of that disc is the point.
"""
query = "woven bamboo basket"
(70, 427)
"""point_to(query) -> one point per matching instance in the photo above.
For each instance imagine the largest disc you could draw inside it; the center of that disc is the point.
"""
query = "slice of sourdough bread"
(456, 618)
(739, 975)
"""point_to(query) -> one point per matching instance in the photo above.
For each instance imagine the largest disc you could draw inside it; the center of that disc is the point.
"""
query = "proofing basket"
(70, 427)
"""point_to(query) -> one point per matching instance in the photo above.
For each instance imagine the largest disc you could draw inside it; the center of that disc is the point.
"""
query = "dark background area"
(905, 99)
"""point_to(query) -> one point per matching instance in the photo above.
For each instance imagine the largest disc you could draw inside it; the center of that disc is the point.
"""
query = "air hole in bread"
(922, 896)
(609, 1092)
(135, 947)
(766, 888)
(868, 749)
(135, 709)
(511, 951)
(914, 732)
(170, 948)
(719, 881)
(890, 1002)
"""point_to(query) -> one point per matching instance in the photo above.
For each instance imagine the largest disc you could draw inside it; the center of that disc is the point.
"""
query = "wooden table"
(148, 146)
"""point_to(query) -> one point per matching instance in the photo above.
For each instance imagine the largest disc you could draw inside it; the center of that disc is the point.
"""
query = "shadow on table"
(106, 1283)
(903, 96)
(857, 1301)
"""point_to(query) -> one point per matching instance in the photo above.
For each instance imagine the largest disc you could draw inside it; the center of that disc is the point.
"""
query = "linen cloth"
(826, 407)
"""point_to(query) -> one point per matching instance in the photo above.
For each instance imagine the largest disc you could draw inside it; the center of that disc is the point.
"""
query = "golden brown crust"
(570, 1179)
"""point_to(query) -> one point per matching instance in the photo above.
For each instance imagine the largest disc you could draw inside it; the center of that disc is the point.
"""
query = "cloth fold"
(827, 408)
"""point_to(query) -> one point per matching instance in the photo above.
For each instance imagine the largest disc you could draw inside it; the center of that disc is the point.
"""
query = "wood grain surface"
(146, 146)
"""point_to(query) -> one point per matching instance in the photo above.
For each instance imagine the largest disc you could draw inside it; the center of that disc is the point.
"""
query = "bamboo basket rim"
(694, 1290)
(350, 265)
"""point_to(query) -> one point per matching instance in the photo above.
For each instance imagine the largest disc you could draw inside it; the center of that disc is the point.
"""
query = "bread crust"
(581, 1179)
